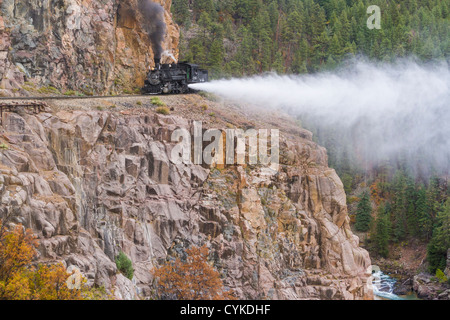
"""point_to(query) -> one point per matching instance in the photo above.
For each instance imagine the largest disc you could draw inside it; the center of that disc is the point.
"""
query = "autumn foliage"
(20, 280)
(193, 279)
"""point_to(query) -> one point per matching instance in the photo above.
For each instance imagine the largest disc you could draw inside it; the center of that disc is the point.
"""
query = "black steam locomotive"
(173, 78)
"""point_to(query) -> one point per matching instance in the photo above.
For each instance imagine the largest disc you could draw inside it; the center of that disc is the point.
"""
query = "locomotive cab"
(173, 78)
(195, 74)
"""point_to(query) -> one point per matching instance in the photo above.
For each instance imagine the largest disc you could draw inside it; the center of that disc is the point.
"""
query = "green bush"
(125, 265)
(441, 276)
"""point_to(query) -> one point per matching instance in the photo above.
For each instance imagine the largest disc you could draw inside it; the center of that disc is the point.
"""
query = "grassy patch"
(157, 102)
(209, 96)
(203, 94)
(163, 110)
(48, 90)
(86, 92)
(70, 93)
(29, 86)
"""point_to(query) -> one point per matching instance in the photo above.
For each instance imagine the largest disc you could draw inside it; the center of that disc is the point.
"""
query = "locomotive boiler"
(173, 78)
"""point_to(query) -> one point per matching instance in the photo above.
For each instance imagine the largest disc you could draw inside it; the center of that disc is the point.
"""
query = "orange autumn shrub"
(193, 279)
(17, 249)
(20, 280)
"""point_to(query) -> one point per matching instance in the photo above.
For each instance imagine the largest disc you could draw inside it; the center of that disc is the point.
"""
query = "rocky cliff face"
(93, 183)
(88, 45)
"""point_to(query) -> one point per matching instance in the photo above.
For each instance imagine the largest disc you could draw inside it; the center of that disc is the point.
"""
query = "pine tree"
(278, 64)
(335, 49)
(202, 6)
(216, 57)
(399, 203)
(382, 227)
(440, 242)
(425, 220)
(180, 10)
(411, 214)
(363, 213)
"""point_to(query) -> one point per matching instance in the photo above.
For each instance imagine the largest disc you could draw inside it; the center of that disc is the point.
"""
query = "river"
(383, 288)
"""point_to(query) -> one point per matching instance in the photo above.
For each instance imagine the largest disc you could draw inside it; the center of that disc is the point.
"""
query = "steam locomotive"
(173, 78)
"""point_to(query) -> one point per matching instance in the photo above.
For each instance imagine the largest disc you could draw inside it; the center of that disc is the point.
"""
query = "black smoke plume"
(154, 25)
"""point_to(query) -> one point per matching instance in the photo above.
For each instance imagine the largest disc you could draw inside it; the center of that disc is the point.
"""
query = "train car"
(173, 78)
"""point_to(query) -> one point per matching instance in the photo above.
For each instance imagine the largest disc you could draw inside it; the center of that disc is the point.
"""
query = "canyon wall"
(94, 183)
(92, 46)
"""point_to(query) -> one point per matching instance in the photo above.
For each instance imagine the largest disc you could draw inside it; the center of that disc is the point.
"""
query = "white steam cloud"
(387, 109)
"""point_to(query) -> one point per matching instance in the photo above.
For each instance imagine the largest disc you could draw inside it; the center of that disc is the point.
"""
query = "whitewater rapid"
(383, 286)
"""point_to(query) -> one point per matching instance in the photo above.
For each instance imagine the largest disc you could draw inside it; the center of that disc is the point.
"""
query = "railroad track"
(73, 97)
(38, 104)
(11, 106)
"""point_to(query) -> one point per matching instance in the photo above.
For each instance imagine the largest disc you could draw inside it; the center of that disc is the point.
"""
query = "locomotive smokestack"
(157, 63)
(154, 25)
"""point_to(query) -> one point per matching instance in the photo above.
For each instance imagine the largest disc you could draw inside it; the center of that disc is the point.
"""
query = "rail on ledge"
(12, 106)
